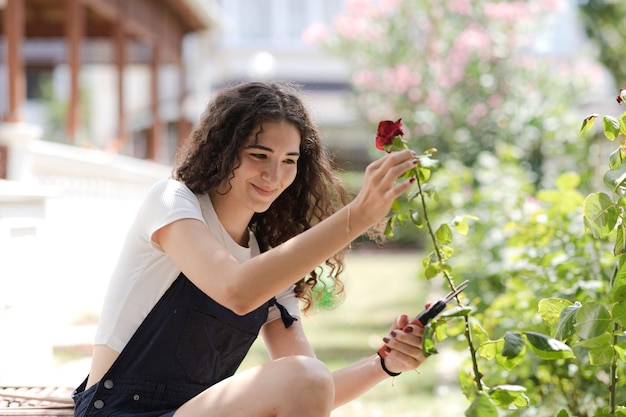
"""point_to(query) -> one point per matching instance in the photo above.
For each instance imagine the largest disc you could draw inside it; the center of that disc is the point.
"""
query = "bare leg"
(291, 386)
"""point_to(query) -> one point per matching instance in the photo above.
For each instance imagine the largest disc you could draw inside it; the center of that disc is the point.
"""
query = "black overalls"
(187, 343)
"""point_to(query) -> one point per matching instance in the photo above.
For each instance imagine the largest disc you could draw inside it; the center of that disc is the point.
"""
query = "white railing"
(63, 217)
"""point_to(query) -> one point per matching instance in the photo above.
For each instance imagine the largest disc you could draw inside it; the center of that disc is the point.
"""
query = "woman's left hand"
(403, 345)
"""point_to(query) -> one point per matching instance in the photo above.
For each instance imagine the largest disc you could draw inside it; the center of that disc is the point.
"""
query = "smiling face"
(267, 166)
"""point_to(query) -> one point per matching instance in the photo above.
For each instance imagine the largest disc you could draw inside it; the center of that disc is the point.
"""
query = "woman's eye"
(290, 161)
(258, 155)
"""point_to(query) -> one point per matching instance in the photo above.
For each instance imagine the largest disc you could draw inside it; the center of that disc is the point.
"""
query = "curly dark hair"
(211, 154)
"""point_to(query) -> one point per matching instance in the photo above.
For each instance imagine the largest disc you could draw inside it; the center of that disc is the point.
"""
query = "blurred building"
(263, 40)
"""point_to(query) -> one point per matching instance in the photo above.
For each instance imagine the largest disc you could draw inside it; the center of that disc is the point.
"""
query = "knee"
(313, 384)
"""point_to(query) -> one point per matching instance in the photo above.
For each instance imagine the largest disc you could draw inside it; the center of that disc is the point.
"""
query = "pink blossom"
(315, 33)
(507, 11)
(437, 104)
(495, 100)
(463, 7)
(365, 79)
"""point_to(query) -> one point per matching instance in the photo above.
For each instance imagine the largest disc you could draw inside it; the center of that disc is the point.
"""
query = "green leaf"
(563, 413)
(548, 348)
(482, 406)
(467, 384)
(461, 226)
(595, 342)
(620, 241)
(510, 350)
(456, 311)
(444, 234)
(488, 349)
(622, 124)
(550, 308)
(513, 344)
(620, 348)
(602, 355)
(417, 219)
(616, 158)
(592, 320)
(567, 321)
(428, 342)
(600, 214)
(506, 395)
(441, 330)
(588, 123)
(611, 127)
(614, 178)
(568, 181)
(479, 335)
(619, 313)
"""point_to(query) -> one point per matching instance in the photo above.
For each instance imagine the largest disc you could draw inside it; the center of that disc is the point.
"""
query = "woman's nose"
(270, 173)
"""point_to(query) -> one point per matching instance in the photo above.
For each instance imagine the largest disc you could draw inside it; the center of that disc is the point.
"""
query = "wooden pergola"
(159, 25)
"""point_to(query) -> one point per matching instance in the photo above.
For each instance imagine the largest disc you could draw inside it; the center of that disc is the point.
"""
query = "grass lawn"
(379, 286)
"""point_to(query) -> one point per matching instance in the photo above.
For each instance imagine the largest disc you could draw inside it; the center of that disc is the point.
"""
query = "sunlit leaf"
(444, 234)
(592, 320)
(479, 335)
(548, 348)
(482, 406)
(619, 312)
(467, 384)
(600, 214)
(462, 227)
(620, 241)
(620, 348)
(618, 294)
(611, 127)
(508, 353)
(568, 181)
(550, 309)
(488, 349)
(456, 311)
(588, 123)
(563, 413)
(428, 342)
(614, 178)
(567, 321)
(595, 342)
(602, 355)
(616, 158)
(513, 344)
(506, 395)
(622, 123)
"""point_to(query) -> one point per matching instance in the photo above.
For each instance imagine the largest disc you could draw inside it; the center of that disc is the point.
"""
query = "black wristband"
(387, 371)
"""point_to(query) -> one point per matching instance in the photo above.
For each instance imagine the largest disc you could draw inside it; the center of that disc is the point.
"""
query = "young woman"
(226, 250)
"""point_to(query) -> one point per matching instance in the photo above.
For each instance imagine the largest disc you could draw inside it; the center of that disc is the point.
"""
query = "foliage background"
(469, 77)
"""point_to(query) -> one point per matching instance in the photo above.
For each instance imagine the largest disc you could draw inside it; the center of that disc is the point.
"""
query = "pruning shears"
(431, 311)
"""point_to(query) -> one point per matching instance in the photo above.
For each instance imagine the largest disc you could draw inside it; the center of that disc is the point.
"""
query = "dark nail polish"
(386, 339)
(393, 333)
(408, 329)
(412, 180)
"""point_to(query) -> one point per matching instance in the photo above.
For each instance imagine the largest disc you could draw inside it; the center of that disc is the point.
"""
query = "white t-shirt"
(144, 272)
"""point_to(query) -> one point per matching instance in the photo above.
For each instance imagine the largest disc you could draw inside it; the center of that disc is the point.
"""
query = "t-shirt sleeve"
(166, 202)
(287, 299)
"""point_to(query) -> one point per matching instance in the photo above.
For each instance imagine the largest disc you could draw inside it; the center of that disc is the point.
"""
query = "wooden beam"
(14, 34)
(75, 28)
(156, 132)
(120, 44)
(183, 126)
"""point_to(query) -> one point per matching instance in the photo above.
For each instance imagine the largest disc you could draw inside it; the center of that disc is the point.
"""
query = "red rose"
(621, 97)
(387, 130)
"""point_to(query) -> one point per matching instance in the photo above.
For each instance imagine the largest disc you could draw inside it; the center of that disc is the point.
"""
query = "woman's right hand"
(381, 186)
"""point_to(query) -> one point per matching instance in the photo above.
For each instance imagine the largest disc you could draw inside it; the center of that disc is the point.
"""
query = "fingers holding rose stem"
(381, 186)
